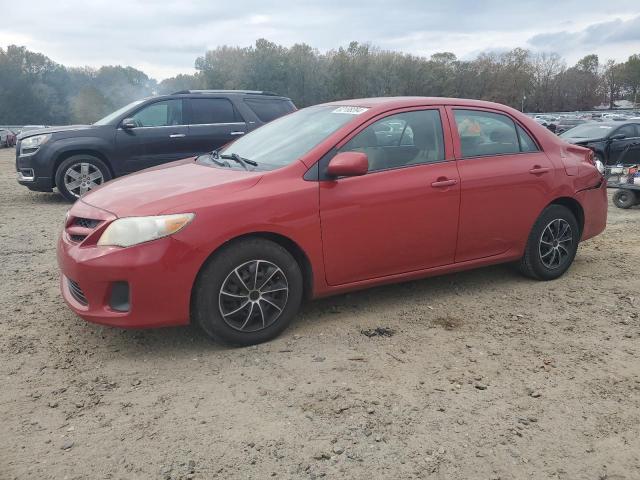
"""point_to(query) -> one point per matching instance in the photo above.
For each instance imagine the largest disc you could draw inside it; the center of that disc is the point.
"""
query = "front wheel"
(624, 198)
(80, 173)
(552, 244)
(248, 292)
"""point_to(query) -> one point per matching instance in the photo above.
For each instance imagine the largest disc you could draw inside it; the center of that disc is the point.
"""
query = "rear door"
(506, 181)
(160, 136)
(213, 122)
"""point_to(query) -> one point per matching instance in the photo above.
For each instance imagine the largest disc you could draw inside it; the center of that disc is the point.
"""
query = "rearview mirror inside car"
(348, 164)
(128, 123)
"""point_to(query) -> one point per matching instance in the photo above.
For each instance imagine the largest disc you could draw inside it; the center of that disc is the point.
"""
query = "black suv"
(144, 133)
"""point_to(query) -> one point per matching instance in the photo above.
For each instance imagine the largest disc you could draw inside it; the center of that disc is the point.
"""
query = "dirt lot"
(488, 375)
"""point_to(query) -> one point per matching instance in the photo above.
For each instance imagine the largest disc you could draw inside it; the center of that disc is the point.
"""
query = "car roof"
(400, 102)
(256, 93)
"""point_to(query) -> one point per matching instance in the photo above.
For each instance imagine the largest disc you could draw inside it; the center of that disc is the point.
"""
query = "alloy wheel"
(555, 244)
(82, 177)
(253, 296)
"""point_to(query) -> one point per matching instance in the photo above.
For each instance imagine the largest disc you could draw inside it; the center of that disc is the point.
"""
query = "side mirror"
(128, 123)
(618, 136)
(348, 164)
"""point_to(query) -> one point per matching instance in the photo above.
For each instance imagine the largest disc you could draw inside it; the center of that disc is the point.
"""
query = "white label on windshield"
(606, 127)
(350, 110)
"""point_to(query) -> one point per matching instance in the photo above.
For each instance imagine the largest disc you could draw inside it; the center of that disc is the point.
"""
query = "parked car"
(11, 139)
(565, 124)
(546, 123)
(5, 137)
(29, 128)
(312, 205)
(608, 140)
(74, 159)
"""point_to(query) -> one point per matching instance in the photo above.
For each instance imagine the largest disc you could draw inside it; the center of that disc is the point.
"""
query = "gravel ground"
(485, 375)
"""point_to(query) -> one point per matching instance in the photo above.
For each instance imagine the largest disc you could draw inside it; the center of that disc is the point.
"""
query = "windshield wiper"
(238, 159)
(213, 156)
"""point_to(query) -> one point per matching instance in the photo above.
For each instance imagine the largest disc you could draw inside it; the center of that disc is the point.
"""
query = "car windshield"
(590, 130)
(288, 138)
(112, 116)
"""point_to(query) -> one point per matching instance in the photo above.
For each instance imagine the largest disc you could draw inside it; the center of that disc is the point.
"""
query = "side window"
(212, 110)
(485, 133)
(267, 110)
(400, 140)
(160, 114)
(526, 142)
(629, 131)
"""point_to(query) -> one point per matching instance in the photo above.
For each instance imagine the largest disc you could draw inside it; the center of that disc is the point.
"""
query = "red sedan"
(331, 198)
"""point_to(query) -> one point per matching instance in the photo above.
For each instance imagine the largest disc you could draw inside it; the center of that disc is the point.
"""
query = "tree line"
(34, 89)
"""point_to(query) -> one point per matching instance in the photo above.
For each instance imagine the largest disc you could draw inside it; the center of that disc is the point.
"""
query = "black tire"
(94, 163)
(624, 198)
(536, 259)
(209, 301)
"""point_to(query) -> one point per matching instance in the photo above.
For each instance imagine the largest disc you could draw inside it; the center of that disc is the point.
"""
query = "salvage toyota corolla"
(331, 198)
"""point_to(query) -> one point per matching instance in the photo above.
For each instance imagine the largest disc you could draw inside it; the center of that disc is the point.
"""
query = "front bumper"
(31, 173)
(159, 276)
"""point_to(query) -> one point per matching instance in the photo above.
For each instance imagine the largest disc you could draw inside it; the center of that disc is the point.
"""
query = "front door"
(402, 215)
(627, 149)
(160, 136)
(506, 182)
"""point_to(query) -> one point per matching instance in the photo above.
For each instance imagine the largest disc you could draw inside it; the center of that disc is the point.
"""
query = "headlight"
(30, 145)
(128, 231)
(599, 166)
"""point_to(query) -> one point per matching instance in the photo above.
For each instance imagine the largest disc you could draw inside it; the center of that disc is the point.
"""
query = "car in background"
(149, 132)
(565, 124)
(545, 122)
(615, 117)
(320, 202)
(6, 137)
(29, 128)
(608, 140)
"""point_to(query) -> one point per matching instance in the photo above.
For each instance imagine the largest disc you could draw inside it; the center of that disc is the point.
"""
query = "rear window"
(269, 109)
(212, 110)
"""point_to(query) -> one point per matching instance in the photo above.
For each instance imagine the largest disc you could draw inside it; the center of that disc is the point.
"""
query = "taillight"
(591, 158)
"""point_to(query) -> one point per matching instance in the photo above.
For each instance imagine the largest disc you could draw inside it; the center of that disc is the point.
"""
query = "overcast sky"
(164, 38)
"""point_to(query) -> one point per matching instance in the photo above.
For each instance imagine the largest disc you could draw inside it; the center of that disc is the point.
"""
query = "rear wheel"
(80, 173)
(552, 244)
(624, 198)
(248, 292)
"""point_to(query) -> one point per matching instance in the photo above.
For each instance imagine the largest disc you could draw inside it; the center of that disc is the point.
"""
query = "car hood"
(62, 128)
(162, 189)
(582, 141)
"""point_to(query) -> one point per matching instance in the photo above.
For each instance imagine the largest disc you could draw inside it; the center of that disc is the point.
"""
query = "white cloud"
(164, 38)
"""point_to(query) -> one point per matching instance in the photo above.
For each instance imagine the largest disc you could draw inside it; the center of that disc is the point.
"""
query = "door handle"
(177, 135)
(236, 133)
(444, 183)
(538, 169)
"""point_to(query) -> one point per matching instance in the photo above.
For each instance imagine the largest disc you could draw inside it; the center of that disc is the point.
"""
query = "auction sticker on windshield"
(350, 110)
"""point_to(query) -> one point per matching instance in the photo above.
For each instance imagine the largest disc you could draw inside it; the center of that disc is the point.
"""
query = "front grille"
(86, 222)
(80, 227)
(76, 292)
